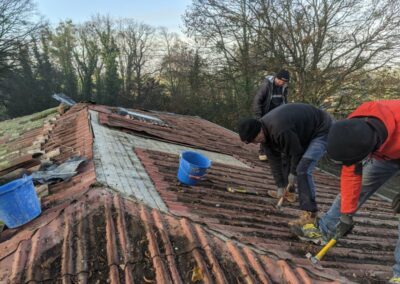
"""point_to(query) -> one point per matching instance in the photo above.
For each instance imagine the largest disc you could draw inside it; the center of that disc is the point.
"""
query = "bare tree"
(108, 82)
(63, 45)
(328, 43)
(16, 25)
(136, 42)
(227, 28)
(86, 56)
(171, 42)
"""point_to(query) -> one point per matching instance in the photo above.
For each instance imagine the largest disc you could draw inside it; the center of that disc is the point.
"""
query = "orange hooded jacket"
(388, 111)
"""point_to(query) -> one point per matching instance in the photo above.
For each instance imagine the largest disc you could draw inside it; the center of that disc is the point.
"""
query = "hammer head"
(314, 261)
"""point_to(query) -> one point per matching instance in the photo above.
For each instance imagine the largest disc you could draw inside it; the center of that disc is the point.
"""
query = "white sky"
(157, 13)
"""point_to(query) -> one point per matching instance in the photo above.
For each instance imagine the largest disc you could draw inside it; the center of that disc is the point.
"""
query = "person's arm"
(290, 145)
(285, 95)
(275, 161)
(260, 99)
(294, 161)
(350, 188)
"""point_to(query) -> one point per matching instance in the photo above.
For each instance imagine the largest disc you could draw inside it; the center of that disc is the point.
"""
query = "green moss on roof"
(14, 128)
(18, 126)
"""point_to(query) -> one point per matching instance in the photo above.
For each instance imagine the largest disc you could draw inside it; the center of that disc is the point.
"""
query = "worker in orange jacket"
(367, 144)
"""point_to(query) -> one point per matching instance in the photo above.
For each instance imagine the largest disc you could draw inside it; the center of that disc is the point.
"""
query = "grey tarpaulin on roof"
(54, 173)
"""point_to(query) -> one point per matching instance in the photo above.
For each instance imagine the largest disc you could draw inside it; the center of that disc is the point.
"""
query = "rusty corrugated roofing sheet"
(72, 135)
(365, 255)
(183, 130)
(360, 256)
(103, 238)
(118, 167)
(90, 233)
(87, 233)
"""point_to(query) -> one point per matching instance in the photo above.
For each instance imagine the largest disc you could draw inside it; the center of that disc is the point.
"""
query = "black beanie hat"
(283, 75)
(249, 129)
(351, 140)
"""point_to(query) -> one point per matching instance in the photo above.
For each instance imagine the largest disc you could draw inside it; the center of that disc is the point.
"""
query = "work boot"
(395, 279)
(291, 197)
(308, 233)
(305, 217)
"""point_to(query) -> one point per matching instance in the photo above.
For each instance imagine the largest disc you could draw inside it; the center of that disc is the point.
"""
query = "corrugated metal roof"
(118, 167)
(21, 249)
(365, 255)
(183, 130)
(91, 233)
(103, 238)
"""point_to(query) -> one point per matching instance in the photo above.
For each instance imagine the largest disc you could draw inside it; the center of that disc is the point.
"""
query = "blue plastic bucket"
(192, 165)
(19, 203)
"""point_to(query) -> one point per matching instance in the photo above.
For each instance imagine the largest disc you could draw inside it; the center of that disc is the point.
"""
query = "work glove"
(292, 179)
(280, 192)
(345, 225)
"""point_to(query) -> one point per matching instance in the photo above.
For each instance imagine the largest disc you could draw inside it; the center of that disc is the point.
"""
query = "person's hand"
(292, 179)
(345, 225)
(280, 191)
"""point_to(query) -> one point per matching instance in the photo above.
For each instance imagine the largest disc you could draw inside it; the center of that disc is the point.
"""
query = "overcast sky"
(166, 13)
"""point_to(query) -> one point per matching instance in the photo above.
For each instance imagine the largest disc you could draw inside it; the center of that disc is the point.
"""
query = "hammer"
(315, 260)
(280, 201)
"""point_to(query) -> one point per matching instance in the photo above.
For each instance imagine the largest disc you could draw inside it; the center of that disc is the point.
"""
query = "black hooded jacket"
(288, 130)
(264, 96)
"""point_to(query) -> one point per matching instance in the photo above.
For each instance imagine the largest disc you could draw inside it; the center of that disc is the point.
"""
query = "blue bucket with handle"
(192, 167)
(19, 202)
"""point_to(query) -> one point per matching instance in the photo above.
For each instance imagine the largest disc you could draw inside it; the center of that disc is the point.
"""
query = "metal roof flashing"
(140, 116)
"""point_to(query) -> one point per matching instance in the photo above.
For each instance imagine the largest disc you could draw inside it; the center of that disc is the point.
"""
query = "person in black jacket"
(298, 131)
(272, 93)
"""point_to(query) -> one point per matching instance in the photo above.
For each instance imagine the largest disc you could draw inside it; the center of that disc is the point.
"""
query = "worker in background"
(298, 131)
(367, 144)
(272, 93)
